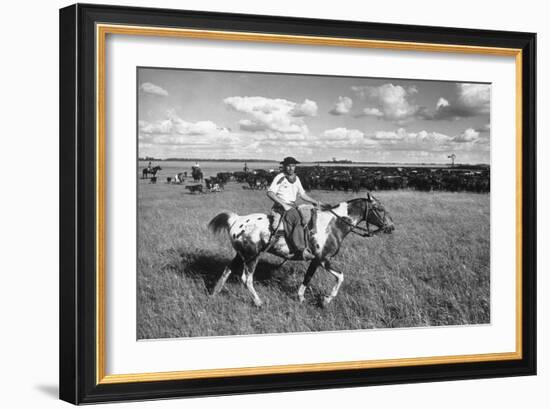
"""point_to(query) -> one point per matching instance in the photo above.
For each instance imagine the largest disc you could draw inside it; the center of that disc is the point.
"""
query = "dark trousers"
(294, 230)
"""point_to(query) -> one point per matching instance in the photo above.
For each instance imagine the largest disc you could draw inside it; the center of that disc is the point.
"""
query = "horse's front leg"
(235, 265)
(309, 275)
(248, 280)
(339, 280)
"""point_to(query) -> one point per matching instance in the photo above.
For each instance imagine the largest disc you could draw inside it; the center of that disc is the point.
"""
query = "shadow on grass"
(208, 267)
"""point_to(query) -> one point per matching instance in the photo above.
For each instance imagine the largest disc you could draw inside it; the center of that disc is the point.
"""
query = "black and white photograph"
(283, 203)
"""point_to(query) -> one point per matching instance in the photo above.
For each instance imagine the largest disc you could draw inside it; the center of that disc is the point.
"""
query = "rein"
(363, 232)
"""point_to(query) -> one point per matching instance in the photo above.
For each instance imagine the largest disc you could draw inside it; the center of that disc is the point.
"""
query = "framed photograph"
(257, 203)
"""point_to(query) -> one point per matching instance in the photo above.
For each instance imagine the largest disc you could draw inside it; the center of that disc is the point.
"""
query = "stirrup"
(299, 256)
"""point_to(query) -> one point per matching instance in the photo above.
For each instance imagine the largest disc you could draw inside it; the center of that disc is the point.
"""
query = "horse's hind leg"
(339, 280)
(235, 264)
(248, 280)
(309, 275)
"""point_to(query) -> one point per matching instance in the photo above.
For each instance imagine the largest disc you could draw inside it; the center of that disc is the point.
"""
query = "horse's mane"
(330, 206)
(334, 206)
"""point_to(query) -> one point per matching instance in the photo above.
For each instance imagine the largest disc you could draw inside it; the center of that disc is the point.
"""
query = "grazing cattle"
(251, 235)
(240, 176)
(168, 179)
(475, 178)
(337, 182)
(355, 185)
(194, 188)
(223, 178)
(153, 180)
(179, 178)
(211, 185)
(257, 182)
(153, 172)
(214, 180)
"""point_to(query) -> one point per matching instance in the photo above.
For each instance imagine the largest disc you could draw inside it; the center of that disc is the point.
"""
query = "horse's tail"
(223, 221)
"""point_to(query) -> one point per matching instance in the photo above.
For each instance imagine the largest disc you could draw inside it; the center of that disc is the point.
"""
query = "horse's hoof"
(259, 303)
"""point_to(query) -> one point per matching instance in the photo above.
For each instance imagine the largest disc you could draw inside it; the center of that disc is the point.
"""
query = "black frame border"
(77, 252)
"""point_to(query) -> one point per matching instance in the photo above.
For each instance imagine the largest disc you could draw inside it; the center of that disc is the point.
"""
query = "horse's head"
(377, 215)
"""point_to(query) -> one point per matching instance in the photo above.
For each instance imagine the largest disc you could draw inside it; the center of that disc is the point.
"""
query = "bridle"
(359, 230)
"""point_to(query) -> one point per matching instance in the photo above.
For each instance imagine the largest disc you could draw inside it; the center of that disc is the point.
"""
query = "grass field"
(433, 270)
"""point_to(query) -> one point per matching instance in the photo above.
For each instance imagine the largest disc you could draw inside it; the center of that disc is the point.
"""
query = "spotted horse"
(251, 235)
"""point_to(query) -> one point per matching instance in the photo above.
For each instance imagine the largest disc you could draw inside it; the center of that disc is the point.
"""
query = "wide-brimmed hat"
(289, 160)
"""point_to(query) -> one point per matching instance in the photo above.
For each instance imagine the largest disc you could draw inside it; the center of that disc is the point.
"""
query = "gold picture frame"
(84, 175)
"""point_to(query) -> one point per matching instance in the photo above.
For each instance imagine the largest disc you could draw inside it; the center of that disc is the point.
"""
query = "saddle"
(308, 216)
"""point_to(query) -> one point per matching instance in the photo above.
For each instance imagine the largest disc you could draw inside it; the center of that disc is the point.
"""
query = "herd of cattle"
(475, 178)
(469, 178)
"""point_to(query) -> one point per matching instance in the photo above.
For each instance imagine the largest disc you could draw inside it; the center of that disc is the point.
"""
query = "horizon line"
(339, 162)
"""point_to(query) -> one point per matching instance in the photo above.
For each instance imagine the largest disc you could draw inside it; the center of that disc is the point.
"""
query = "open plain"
(433, 270)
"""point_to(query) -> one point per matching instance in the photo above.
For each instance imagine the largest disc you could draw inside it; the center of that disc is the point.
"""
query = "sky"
(229, 115)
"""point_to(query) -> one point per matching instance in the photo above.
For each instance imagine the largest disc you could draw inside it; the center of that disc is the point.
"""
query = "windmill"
(452, 158)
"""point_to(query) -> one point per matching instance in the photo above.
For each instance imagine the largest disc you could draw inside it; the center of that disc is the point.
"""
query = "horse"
(197, 174)
(147, 171)
(251, 235)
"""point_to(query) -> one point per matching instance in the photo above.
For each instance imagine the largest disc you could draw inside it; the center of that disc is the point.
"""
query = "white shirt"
(285, 190)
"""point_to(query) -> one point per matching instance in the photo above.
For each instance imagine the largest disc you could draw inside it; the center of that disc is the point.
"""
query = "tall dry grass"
(433, 270)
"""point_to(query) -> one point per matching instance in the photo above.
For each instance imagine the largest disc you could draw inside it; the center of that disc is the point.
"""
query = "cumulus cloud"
(307, 108)
(273, 115)
(197, 128)
(471, 100)
(252, 126)
(342, 134)
(343, 138)
(435, 137)
(476, 97)
(469, 135)
(153, 89)
(174, 132)
(164, 126)
(373, 112)
(403, 140)
(398, 135)
(176, 125)
(469, 142)
(342, 106)
(442, 103)
(390, 102)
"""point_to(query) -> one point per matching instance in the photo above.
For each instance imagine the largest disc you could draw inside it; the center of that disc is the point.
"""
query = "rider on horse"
(284, 189)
